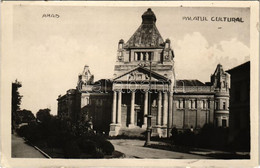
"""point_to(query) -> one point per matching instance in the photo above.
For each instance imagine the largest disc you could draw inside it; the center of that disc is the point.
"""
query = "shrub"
(34, 134)
(88, 147)
(100, 143)
(71, 150)
(107, 148)
(53, 141)
(207, 137)
(30, 132)
(23, 130)
(132, 133)
(174, 132)
(98, 154)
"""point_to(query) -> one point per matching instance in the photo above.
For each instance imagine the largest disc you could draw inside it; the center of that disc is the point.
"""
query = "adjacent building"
(144, 79)
(240, 106)
(197, 103)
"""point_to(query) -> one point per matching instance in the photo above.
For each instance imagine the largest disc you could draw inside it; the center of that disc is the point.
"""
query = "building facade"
(240, 106)
(144, 81)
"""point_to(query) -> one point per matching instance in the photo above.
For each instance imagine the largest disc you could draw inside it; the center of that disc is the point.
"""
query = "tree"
(43, 115)
(16, 102)
(25, 116)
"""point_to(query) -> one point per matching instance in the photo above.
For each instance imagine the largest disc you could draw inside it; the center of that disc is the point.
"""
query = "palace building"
(143, 81)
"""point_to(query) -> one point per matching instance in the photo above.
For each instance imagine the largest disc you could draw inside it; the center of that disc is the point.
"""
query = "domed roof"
(149, 16)
(147, 35)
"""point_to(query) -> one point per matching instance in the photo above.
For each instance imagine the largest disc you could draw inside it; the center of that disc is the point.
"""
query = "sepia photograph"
(120, 81)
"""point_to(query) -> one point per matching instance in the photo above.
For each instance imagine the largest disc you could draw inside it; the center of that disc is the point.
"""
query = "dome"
(121, 41)
(147, 35)
(149, 17)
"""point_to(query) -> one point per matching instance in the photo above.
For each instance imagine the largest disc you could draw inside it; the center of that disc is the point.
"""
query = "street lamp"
(149, 116)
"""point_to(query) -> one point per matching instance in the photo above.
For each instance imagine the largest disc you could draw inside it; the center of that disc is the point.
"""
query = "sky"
(49, 53)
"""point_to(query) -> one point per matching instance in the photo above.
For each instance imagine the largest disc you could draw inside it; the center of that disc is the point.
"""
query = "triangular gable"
(141, 74)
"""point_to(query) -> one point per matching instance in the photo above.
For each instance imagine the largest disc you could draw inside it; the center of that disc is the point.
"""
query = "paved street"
(135, 149)
(21, 150)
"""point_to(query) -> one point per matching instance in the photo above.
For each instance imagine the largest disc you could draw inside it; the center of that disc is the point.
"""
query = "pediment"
(141, 74)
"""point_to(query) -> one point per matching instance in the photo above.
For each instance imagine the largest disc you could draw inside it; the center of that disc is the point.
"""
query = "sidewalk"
(135, 149)
(22, 150)
(214, 154)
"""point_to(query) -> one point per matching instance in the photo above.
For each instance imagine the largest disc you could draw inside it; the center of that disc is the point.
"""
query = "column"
(145, 107)
(170, 119)
(135, 57)
(114, 108)
(119, 107)
(159, 109)
(165, 108)
(132, 114)
(141, 56)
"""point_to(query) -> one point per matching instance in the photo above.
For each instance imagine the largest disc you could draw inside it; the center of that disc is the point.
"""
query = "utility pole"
(149, 116)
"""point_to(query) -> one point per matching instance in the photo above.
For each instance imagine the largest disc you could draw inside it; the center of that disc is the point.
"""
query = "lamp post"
(148, 129)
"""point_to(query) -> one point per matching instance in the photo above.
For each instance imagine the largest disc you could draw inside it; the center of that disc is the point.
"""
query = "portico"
(131, 102)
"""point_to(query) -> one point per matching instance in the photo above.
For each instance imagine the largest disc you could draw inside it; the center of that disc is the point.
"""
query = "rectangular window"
(224, 105)
(138, 56)
(193, 104)
(180, 104)
(224, 123)
(177, 104)
(150, 56)
(205, 104)
(144, 56)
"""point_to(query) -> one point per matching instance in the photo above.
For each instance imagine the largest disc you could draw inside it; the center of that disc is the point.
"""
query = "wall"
(192, 116)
